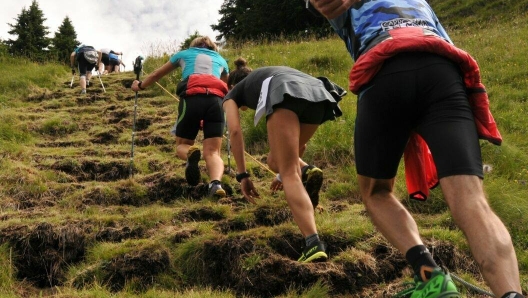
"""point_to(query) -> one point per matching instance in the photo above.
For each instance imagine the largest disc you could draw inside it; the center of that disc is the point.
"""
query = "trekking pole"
(73, 77)
(228, 146)
(138, 65)
(99, 76)
(470, 286)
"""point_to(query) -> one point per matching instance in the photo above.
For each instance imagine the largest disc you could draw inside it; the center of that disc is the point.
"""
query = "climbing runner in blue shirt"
(203, 85)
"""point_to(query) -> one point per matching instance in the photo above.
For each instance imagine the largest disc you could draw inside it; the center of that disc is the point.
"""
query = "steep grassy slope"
(76, 223)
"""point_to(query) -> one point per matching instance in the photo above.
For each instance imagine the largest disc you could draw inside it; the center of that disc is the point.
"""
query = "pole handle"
(138, 66)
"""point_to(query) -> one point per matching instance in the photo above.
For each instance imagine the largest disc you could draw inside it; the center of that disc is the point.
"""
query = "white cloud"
(133, 27)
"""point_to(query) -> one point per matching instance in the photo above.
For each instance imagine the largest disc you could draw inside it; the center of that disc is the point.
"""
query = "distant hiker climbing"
(285, 98)
(115, 63)
(87, 58)
(106, 67)
(203, 85)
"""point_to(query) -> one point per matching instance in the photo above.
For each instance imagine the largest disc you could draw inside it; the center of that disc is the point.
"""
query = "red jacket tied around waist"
(197, 84)
(420, 170)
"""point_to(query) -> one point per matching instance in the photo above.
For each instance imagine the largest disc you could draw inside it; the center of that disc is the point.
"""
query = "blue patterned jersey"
(368, 19)
(200, 61)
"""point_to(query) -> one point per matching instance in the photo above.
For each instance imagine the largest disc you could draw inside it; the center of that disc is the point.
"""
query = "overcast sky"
(135, 27)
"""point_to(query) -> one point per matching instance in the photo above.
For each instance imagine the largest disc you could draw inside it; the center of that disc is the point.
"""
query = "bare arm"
(237, 145)
(331, 9)
(235, 134)
(154, 76)
(72, 59)
(99, 59)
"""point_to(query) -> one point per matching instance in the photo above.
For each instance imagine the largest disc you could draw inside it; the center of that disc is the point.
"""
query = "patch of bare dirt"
(140, 267)
(106, 137)
(165, 187)
(120, 195)
(234, 225)
(200, 214)
(41, 94)
(150, 139)
(42, 253)
(118, 234)
(117, 115)
(271, 216)
(93, 170)
(61, 144)
(90, 98)
(184, 234)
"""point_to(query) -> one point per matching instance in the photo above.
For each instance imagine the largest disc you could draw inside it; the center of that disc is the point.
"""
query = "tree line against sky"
(241, 20)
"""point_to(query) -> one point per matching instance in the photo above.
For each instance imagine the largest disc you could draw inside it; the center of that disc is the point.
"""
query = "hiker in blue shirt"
(87, 58)
(203, 85)
(114, 63)
(105, 67)
(413, 82)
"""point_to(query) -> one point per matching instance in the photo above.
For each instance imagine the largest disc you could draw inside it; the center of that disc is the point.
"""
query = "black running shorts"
(105, 59)
(308, 112)
(84, 65)
(193, 109)
(419, 92)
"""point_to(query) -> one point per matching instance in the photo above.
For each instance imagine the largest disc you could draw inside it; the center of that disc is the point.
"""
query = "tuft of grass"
(58, 126)
(318, 289)
(7, 274)
(12, 130)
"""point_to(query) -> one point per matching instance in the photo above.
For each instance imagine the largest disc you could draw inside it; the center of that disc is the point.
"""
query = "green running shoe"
(314, 252)
(312, 179)
(192, 171)
(439, 285)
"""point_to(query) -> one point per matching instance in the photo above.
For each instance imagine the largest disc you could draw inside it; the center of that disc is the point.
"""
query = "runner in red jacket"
(411, 80)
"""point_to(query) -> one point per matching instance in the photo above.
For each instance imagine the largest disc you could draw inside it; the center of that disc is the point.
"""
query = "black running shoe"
(192, 171)
(314, 252)
(312, 178)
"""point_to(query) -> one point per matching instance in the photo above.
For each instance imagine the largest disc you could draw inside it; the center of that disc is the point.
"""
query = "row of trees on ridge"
(241, 20)
(32, 41)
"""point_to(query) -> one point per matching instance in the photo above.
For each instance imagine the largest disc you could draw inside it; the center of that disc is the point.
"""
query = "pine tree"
(31, 32)
(187, 42)
(64, 41)
(267, 20)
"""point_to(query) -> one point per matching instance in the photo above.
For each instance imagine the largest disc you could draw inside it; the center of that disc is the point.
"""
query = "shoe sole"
(319, 256)
(441, 295)
(314, 181)
(192, 171)
(449, 295)
(220, 193)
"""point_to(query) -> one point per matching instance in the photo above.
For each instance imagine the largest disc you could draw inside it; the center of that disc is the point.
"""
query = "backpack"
(91, 56)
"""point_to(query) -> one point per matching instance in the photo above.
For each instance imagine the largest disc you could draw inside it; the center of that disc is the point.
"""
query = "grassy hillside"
(478, 14)
(75, 223)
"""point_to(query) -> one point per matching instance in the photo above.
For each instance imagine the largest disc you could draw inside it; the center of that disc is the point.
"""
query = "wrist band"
(241, 176)
(139, 85)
